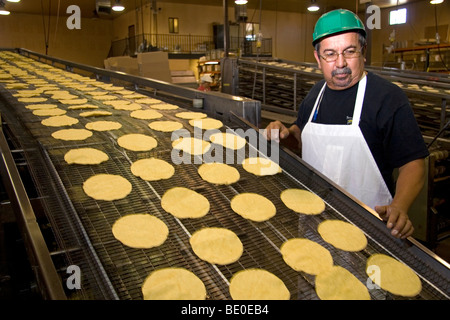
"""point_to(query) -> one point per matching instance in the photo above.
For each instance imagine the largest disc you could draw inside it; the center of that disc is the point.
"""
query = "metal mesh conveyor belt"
(111, 270)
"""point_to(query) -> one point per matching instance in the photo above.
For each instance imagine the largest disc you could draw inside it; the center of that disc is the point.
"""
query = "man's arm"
(290, 137)
(409, 183)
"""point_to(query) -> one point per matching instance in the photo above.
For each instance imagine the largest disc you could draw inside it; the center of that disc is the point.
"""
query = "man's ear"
(363, 52)
(316, 55)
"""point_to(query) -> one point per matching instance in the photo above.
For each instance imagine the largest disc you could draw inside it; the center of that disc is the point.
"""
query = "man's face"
(342, 73)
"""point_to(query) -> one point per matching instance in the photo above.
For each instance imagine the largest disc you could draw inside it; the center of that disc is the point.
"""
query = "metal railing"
(186, 44)
(172, 43)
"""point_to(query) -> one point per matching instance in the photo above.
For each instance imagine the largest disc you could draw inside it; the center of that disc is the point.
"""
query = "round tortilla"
(342, 235)
(147, 100)
(260, 166)
(141, 231)
(128, 107)
(107, 187)
(173, 284)
(302, 201)
(152, 169)
(217, 245)
(85, 156)
(228, 140)
(165, 125)
(73, 101)
(97, 93)
(191, 115)
(103, 125)
(306, 255)
(41, 106)
(96, 113)
(72, 134)
(59, 121)
(116, 103)
(137, 142)
(185, 203)
(218, 173)
(49, 112)
(339, 284)
(106, 97)
(253, 206)
(63, 96)
(206, 123)
(193, 146)
(32, 100)
(82, 106)
(257, 284)
(164, 106)
(393, 276)
(146, 114)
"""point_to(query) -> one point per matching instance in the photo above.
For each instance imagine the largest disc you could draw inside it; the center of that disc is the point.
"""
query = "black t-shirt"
(387, 121)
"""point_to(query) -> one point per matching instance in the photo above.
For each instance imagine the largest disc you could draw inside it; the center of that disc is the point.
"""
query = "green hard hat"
(337, 21)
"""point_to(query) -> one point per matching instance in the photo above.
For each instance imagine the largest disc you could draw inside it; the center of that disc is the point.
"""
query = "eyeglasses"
(331, 56)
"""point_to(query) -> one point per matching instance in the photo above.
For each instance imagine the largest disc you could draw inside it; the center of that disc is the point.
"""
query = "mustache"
(344, 70)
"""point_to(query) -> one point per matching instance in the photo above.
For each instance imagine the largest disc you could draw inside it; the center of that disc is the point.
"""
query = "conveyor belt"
(82, 225)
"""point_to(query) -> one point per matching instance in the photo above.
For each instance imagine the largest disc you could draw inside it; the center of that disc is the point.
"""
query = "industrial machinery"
(81, 237)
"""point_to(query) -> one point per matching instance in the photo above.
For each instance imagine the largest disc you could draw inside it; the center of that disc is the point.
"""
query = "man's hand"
(409, 183)
(397, 220)
(276, 131)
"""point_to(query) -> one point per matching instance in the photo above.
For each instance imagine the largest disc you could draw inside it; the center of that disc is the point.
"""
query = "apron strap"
(315, 109)
(359, 101)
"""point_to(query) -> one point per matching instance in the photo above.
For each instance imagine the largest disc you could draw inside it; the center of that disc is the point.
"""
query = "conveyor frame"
(434, 271)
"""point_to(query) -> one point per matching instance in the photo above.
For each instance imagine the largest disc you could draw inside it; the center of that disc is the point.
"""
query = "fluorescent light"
(13, 0)
(240, 1)
(313, 6)
(3, 11)
(118, 6)
(436, 1)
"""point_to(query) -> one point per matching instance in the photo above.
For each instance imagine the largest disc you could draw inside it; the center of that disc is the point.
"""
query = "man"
(356, 127)
(205, 82)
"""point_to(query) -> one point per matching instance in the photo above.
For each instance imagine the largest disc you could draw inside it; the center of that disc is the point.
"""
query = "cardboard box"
(124, 64)
(154, 65)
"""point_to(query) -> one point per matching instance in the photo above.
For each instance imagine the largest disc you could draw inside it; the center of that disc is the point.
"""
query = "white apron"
(341, 153)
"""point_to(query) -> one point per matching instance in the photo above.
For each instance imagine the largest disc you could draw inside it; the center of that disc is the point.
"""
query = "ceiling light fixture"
(436, 1)
(313, 6)
(118, 6)
(240, 1)
(3, 11)
(13, 0)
